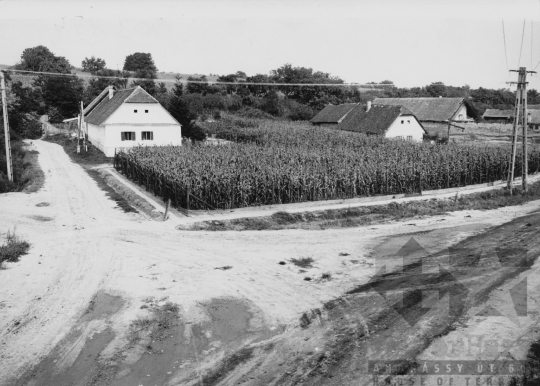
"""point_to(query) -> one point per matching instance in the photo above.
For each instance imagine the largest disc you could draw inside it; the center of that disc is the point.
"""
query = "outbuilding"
(119, 119)
(387, 121)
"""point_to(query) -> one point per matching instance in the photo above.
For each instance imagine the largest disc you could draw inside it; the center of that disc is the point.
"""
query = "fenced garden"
(274, 162)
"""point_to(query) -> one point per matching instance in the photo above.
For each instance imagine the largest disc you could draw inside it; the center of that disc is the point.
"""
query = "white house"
(129, 117)
(388, 121)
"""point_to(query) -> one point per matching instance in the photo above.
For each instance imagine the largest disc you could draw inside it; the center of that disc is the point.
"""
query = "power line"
(504, 41)
(205, 82)
(522, 35)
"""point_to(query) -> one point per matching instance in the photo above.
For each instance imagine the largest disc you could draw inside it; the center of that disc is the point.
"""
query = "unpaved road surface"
(107, 297)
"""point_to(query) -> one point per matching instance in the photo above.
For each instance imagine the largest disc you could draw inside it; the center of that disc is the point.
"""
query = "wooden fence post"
(167, 210)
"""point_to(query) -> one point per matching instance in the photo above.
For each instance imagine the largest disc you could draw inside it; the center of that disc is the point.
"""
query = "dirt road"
(68, 309)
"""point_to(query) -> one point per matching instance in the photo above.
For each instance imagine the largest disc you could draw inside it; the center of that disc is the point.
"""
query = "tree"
(180, 110)
(197, 85)
(93, 65)
(142, 66)
(61, 92)
(41, 59)
(104, 78)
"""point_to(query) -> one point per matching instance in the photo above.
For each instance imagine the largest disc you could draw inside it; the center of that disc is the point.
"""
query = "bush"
(13, 248)
(300, 112)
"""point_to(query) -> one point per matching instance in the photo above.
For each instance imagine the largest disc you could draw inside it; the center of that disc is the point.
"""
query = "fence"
(158, 185)
(385, 183)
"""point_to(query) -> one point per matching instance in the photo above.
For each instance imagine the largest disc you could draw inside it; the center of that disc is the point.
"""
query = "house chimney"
(368, 107)
(111, 92)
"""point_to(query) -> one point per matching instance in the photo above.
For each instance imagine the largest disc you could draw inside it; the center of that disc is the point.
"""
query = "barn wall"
(409, 127)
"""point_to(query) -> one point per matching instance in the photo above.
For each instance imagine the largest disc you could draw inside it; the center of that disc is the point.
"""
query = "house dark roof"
(376, 121)
(501, 114)
(426, 109)
(333, 113)
(107, 107)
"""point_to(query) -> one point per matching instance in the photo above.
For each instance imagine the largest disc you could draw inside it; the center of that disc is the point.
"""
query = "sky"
(411, 42)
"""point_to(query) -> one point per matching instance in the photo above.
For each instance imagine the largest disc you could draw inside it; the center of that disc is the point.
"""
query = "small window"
(128, 136)
(147, 135)
(134, 111)
(409, 138)
(408, 121)
(402, 121)
(146, 111)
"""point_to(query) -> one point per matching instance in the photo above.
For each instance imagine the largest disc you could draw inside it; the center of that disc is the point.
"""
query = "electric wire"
(202, 81)
(504, 41)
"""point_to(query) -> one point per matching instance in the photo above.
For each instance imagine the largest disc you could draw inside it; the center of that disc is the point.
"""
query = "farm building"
(432, 109)
(386, 120)
(332, 115)
(499, 116)
(129, 117)
(434, 113)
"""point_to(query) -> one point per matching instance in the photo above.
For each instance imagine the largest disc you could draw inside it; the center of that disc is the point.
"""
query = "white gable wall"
(461, 114)
(125, 114)
(409, 128)
(108, 136)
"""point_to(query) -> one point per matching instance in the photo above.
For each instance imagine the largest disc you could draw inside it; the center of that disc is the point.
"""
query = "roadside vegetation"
(371, 215)
(13, 248)
(27, 175)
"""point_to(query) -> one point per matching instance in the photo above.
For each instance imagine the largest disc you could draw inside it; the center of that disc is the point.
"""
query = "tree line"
(198, 98)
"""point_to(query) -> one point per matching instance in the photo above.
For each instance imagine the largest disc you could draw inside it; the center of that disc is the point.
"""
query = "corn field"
(283, 162)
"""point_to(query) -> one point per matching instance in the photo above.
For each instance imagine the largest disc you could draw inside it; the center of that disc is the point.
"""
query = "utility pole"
(520, 116)
(6, 127)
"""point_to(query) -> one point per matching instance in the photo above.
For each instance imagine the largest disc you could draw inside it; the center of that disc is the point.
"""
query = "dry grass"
(13, 248)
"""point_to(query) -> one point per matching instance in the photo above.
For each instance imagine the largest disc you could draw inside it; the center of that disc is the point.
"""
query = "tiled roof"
(140, 96)
(377, 120)
(426, 109)
(495, 113)
(333, 113)
(107, 107)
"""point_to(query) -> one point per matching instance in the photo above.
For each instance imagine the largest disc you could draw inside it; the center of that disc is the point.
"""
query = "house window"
(128, 136)
(147, 135)
(134, 111)
(402, 121)
(408, 121)
(409, 138)
(146, 111)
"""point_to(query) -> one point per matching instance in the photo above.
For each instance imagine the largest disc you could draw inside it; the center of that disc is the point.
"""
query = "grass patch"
(92, 157)
(27, 175)
(13, 248)
(377, 214)
(303, 262)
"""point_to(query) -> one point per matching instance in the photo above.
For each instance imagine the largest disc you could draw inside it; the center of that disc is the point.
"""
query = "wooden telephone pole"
(520, 116)
(6, 127)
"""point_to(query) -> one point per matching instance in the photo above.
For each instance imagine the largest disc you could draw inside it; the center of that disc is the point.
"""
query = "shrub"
(14, 247)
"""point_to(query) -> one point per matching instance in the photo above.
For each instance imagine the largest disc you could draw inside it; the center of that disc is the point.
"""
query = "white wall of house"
(407, 127)
(149, 118)
(461, 114)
